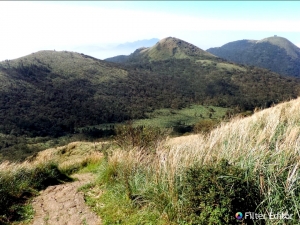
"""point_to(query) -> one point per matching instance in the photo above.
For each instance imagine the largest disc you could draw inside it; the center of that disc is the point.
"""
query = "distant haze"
(106, 51)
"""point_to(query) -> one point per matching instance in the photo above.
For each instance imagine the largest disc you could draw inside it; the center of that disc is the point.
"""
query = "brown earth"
(64, 205)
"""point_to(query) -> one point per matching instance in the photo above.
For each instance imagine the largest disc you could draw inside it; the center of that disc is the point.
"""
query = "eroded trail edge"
(64, 205)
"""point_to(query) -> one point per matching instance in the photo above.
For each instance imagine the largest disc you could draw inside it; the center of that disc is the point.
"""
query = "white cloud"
(31, 26)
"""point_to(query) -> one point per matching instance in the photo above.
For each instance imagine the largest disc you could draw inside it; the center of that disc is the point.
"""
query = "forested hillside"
(53, 93)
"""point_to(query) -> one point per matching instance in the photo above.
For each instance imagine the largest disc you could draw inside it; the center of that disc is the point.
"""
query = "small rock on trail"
(64, 205)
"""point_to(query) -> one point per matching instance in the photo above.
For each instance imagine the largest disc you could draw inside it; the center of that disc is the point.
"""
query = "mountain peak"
(170, 40)
(291, 49)
(172, 47)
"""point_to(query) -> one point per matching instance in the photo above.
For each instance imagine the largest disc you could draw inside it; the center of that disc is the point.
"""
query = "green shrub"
(142, 137)
(212, 194)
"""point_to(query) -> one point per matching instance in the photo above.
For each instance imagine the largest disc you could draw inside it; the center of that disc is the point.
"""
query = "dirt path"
(64, 205)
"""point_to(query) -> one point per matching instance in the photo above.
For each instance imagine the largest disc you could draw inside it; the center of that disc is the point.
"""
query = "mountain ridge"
(275, 53)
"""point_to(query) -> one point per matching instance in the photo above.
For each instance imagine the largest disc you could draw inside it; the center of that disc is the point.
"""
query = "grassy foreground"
(247, 165)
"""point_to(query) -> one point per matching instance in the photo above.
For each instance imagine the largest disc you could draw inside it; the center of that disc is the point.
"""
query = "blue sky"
(27, 27)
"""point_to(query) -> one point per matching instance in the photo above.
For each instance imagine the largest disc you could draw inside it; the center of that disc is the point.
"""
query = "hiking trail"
(64, 205)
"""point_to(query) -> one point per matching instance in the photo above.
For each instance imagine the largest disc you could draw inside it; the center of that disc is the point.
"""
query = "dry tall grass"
(266, 144)
(272, 134)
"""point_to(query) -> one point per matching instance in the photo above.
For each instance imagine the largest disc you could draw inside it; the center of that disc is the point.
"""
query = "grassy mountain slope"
(246, 164)
(275, 53)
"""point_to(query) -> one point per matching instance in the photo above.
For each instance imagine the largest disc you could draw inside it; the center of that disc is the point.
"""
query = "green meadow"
(169, 118)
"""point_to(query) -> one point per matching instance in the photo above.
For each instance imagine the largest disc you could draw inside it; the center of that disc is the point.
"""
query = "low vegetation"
(249, 164)
(213, 193)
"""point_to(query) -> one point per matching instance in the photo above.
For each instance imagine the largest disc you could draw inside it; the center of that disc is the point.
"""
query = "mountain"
(51, 93)
(40, 89)
(167, 48)
(171, 47)
(275, 53)
(54, 93)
